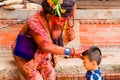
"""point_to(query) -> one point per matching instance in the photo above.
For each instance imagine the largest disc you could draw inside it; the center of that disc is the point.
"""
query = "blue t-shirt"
(94, 75)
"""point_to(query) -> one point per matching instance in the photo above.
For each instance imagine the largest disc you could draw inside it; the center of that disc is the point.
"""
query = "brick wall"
(99, 32)
(111, 76)
(8, 35)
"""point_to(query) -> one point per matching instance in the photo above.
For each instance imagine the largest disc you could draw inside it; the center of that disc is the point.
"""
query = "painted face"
(57, 22)
(87, 63)
(57, 25)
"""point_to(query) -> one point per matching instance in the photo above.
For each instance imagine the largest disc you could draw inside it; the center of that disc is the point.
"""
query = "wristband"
(67, 51)
(72, 52)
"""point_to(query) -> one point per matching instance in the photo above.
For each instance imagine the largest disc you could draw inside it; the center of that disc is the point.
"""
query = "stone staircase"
(66, 69)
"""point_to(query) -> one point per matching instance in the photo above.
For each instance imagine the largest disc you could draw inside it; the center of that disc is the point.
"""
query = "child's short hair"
(94, 54)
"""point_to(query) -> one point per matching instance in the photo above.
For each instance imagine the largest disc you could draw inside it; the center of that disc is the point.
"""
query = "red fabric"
(42, 61)
(36, 23)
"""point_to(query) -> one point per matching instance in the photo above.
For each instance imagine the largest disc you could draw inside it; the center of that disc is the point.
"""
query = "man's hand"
(78, 52)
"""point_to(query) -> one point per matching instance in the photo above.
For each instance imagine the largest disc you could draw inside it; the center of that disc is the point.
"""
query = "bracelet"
(67, 51)
(72, 52)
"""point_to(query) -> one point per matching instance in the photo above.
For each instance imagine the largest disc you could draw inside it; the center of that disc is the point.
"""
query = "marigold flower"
(63, 10)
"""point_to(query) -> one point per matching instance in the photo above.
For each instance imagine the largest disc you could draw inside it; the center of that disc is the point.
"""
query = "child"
(91, 60)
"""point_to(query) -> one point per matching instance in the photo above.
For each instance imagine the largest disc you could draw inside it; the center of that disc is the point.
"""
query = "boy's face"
(87, 63)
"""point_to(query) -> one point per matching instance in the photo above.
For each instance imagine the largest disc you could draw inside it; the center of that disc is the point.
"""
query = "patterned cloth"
(94, 75)
(42, 61)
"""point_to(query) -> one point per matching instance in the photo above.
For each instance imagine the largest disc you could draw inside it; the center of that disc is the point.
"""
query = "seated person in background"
(91, 60)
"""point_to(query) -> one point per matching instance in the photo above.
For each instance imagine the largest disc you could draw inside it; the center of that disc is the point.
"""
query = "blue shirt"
(94, 75)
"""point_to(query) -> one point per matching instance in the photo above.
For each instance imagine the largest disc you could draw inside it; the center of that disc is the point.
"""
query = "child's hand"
(78, 52)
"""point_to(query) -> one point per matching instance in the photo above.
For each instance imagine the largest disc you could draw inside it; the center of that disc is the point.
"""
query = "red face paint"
(58, 22)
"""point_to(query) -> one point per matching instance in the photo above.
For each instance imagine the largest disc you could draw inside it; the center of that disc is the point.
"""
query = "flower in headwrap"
(61, 8)
(55, 4)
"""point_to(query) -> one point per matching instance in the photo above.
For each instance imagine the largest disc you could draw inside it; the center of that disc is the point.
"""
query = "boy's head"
(92, 58)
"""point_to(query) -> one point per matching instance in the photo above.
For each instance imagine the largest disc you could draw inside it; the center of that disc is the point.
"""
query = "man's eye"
(59, 21)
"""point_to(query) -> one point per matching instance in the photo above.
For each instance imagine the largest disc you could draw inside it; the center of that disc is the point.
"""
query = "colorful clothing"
(94, 75)
(42, 61)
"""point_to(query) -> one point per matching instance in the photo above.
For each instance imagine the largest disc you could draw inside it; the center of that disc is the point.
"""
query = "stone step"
(73, 67)
(85, 14)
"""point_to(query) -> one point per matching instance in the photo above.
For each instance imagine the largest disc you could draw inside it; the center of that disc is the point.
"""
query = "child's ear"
(94, 64)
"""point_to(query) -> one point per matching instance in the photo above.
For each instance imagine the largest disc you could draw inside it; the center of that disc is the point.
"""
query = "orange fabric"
(41, 63)
(42, 60)
(37, 23)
